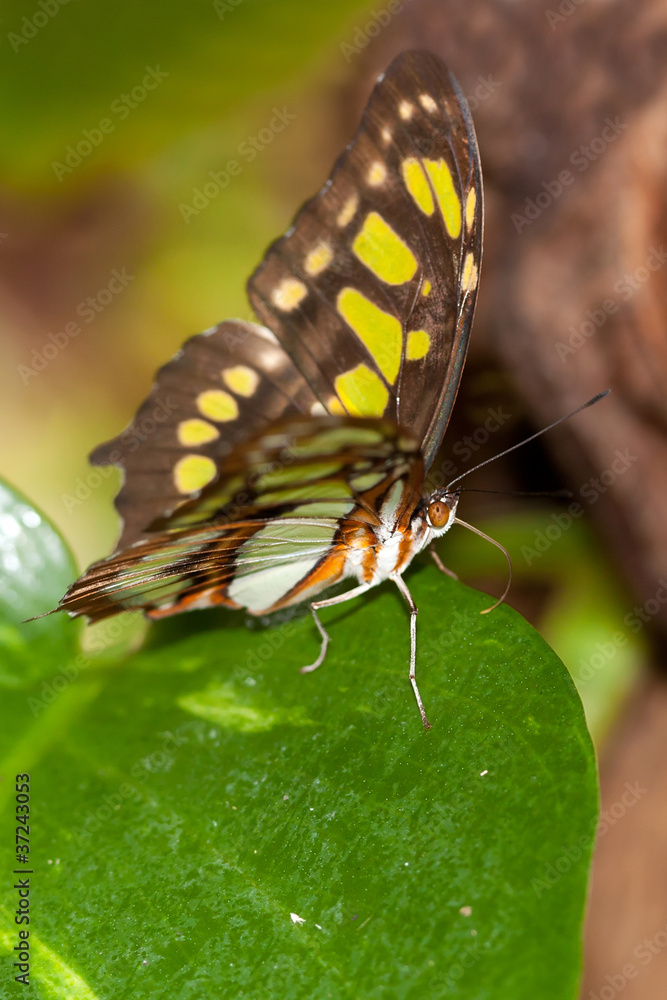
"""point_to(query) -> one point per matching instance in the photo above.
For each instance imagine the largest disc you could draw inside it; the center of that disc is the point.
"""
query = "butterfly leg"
(403, 587)
(328, 603)
(441, 566)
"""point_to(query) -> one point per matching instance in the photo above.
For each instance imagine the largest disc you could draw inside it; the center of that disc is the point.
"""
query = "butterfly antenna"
(476, 531)
(532, 437)
(552, 494)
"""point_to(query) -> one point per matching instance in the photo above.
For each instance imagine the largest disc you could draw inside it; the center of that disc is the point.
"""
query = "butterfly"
(272, 461)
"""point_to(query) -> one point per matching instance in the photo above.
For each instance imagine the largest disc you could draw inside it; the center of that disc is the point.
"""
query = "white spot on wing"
(377, 173)
(348, 210)
(289, 294)
(264, 333)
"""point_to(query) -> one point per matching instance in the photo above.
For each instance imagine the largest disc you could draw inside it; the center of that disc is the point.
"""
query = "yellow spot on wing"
(383, 251)
(216, 404)
(379, 331)
(362, 392)
(406, 110)
(318, 259)
(427, 103)
(241, 380)
(348, 210)
(426, 287)
(289, 293)
(419, 342)
(335, 406)
(417, 184)
(195, 431)
(377, 173)
(448, 200)
(470, 273)
(193, 472)
(471, 201)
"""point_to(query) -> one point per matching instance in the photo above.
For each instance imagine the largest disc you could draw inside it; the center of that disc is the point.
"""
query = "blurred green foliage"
(65, 63)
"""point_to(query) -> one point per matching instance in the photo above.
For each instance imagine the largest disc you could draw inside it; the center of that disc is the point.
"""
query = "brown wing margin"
(178, 418)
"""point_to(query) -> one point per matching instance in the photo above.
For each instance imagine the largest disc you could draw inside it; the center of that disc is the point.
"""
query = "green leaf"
(35, 570)
(585, 617)
(186, 803)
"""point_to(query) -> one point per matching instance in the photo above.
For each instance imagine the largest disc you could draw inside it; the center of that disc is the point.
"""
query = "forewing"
(221, 387)
(371, 291)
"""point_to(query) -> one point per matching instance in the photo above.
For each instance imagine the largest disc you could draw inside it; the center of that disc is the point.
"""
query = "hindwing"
(276, 527)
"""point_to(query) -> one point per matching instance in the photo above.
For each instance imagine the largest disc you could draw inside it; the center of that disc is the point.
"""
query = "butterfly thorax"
(405, 527)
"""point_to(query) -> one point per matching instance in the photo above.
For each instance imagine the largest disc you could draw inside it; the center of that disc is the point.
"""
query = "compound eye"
(438, 514)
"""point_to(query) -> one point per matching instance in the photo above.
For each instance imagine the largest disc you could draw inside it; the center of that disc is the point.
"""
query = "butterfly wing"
(368, 299)
(222, 386)
(306, 494)
(371, 291)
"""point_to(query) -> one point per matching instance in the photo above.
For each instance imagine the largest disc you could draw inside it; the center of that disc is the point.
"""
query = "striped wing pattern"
(305, 489)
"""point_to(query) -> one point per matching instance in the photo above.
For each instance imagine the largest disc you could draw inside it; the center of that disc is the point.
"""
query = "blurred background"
(123, 231)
